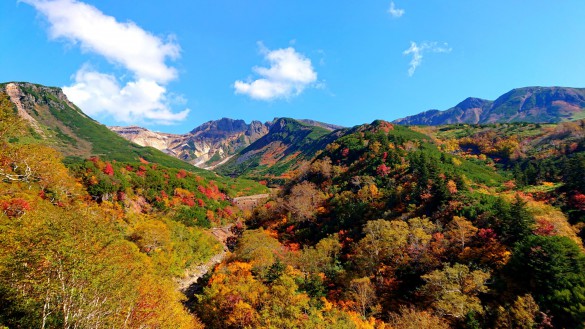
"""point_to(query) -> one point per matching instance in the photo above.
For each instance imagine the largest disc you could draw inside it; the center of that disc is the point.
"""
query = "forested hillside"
(287, 144)
(390, 227)
(52, 119)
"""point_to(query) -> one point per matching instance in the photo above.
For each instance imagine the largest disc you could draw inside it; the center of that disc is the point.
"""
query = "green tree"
(514, 221)
(552, 269)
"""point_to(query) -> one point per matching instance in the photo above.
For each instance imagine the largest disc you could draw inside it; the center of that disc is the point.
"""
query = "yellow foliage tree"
(454, 289)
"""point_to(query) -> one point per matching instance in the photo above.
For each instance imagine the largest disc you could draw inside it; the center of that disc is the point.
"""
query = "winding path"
(194, 273)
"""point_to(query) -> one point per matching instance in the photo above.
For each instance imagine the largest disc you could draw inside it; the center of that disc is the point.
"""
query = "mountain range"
(211, 143)
(233, 142)
(530, 104)
(269, 149)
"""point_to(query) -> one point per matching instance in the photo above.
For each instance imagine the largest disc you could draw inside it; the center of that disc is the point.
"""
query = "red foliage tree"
(578, 201)
(181, 174)
(383, 170)
(15, 207)
(345, 152)
(544, 228)
(108, 169)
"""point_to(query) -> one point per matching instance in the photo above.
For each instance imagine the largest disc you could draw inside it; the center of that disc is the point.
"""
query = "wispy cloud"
(417, 52)
(395, 12)
(124, 44)
(288, 74)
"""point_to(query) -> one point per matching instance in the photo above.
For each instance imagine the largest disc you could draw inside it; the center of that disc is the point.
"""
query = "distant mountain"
(210, 144)
(62, 125)
(285, 146)
(530, 104)
(205, 146)
(327, 126)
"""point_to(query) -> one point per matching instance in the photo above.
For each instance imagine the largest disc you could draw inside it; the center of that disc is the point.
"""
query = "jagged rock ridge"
(210, 144)
(205, 146)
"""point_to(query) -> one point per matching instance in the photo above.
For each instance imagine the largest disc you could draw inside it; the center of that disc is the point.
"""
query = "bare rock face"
(16, 97)
(256, 130)
(145, 137)
(205, 146)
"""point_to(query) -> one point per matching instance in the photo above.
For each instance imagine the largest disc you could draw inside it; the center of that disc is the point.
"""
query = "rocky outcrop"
(17, 97)
(49, 113)
(145, 137)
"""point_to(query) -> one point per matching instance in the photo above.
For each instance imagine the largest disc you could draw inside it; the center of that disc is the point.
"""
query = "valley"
(292, 164)
(301, 224)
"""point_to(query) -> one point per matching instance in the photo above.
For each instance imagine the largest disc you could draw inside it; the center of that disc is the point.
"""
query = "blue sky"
(173, 65)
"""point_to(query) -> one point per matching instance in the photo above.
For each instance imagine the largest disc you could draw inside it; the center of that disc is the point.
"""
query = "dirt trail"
(194, 273)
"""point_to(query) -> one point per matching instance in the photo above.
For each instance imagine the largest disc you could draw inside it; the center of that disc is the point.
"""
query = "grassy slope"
(72, 131)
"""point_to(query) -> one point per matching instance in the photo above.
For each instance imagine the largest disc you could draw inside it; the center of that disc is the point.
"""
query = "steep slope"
(286, 145)
(100, 243)
(62, 125)
(530, 104)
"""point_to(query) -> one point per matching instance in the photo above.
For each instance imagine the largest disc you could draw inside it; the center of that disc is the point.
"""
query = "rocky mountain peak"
(472, 103)
(220, 127)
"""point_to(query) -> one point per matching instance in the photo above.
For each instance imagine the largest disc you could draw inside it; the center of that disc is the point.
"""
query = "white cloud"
(140, 101)
(124, 44)
(288, 75)
(417, 52)
(395, 12)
